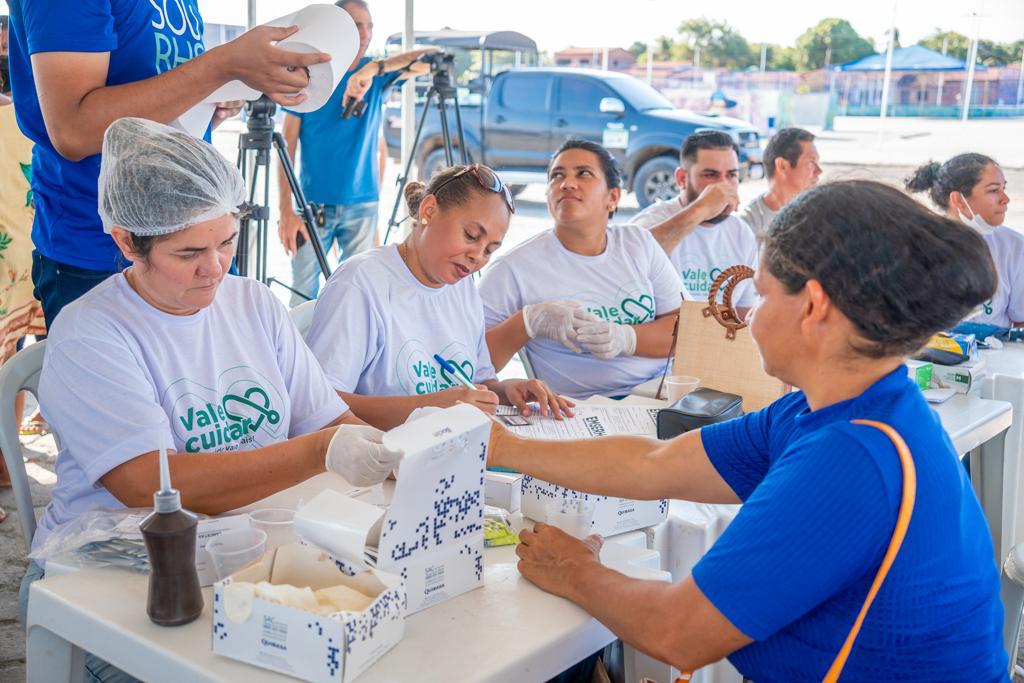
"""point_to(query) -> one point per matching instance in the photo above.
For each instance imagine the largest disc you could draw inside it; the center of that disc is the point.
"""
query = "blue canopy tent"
(915, 58)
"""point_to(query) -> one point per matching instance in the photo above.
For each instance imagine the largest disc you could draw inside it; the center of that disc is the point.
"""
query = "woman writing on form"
(401, 327)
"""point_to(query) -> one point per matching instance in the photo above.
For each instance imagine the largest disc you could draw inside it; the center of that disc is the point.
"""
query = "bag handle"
(898, 534)
(725, 312)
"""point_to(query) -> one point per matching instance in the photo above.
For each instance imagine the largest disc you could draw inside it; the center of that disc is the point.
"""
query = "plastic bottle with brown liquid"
(175, 597)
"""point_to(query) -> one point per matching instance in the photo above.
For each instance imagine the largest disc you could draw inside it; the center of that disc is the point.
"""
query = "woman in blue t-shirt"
(853, 278)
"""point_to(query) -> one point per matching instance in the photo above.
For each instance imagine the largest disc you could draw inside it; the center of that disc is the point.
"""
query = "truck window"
(581, 96)
(529, 93)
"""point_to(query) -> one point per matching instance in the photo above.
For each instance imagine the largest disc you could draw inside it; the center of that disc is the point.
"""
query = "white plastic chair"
(21, 371)
(1011, 591)
(302, 316)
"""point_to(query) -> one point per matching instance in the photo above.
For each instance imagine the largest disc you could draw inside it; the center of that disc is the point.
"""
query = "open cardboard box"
(308, 645)
(611, 515)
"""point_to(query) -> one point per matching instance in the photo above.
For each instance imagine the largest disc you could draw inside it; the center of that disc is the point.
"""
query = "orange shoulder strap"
(902, 522)
(898, 534)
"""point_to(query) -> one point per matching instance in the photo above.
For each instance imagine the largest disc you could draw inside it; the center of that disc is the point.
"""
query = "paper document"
(322, 28)
(588, 422)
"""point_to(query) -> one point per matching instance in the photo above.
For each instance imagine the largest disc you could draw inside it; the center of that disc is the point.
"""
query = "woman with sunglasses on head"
(971, 188)
(592, 303)
(386, 313)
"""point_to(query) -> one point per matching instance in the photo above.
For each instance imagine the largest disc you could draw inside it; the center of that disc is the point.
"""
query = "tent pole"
(888, 74)
(408, 90)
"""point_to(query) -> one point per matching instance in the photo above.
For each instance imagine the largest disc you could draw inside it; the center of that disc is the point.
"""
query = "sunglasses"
(488, 180)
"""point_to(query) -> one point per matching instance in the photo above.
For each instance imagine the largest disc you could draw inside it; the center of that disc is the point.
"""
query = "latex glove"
(357, 453)
(607, 340)
(554, 320)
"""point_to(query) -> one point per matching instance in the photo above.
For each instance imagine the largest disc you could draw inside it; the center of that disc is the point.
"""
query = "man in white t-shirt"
(791, 165)
(697, 229)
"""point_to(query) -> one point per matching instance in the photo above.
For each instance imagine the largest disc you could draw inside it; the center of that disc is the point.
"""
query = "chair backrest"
(302, 316)
(1011, 591)
(21, 371)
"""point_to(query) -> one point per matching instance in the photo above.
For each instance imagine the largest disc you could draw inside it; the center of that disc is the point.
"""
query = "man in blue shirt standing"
(77, 66)
(339, 172)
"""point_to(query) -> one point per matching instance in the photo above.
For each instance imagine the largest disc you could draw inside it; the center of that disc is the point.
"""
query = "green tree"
(637, 49)
(720, 44)
(834, 39)
(778, 58)
(663, 46)
(957, 44)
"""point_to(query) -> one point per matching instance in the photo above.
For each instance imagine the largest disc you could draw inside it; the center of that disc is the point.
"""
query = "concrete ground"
(849, 152)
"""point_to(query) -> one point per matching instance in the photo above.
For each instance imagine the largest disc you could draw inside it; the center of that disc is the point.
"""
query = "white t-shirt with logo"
(1007, 305)
(631, 283)
(376, 329)
(121, 377)
(757, 215)
(707, 251)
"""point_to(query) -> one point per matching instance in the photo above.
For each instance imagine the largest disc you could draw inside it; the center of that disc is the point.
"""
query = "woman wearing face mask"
(972, 188)
(592, 303)
(386, 313)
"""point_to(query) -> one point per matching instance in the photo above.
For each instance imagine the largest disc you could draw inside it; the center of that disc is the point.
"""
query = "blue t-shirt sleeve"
(739, 450)
(820, 520)
(69, 26)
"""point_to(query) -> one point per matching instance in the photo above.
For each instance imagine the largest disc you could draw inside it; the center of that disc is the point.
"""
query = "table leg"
(51, 659)
(987, 468)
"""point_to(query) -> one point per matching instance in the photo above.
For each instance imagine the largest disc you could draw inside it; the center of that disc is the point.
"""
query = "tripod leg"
(300, 200)
(458, 129)
(392, 223)
(446, 134)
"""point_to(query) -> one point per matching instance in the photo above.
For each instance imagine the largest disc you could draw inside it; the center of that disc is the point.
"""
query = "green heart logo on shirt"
(262, 408)
(465, 366)
(640, 308)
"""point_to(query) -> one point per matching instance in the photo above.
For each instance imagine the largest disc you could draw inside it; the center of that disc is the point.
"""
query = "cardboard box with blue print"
(611, 515)
(297, 613)
(431, 532)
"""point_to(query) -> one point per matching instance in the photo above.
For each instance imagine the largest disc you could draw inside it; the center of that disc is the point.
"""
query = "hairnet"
(156, 180)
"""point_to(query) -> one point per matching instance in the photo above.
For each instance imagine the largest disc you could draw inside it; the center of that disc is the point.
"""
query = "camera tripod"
(441, 88)
(253, 154)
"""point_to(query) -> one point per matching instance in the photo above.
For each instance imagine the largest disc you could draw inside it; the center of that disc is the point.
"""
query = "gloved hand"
(554, 320)
(357, 453)
(607, 340)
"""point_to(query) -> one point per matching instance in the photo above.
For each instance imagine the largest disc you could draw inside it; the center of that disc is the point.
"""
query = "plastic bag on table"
(99, 538)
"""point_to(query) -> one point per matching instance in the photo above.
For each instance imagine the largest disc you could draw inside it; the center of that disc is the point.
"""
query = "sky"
(598, 23)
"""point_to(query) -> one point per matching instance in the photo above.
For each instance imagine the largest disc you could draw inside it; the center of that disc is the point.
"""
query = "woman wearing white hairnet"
(174, 350)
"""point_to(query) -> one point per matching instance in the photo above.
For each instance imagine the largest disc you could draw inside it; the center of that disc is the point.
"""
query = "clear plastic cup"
(677, 386)
(278, 523)
(571, 515)
(233, 550)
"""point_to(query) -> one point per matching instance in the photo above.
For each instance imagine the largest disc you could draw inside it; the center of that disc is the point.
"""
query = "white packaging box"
(432, 534)
(611, 515)
(503, 490)
(307, 645)
(964, 377)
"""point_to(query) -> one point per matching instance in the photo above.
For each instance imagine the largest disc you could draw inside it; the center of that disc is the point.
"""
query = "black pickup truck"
(528, 112)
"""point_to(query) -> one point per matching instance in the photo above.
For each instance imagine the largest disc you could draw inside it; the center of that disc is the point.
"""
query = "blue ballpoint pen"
(455, 371)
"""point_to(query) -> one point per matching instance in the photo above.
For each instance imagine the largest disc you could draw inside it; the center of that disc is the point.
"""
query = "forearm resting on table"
(674, 623)
(212, 483)
(637, 467)
(505, 339)
(384, 412)
(654, 339)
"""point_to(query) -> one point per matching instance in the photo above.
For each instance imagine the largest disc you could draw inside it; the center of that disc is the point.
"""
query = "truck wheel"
(656, 180)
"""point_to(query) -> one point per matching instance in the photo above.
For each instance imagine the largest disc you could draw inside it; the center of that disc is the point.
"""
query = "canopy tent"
(913, 58)
(470, 40)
